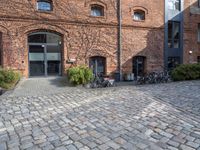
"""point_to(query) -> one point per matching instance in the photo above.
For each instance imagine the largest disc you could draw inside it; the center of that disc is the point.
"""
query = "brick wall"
(71, 19)
(0, 49)
(191, 20)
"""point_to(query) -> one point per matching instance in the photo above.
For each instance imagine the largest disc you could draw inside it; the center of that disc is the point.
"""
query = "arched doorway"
(98, 65)
(44, 54)
(139, 65)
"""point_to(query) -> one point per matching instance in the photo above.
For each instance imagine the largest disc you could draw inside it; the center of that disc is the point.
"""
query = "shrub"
(80, 75)
(186, 72)
(1, 78)
(8, 78)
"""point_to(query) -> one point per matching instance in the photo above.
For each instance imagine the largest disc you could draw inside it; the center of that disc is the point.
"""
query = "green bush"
(80, 75)
(8, 78)
(186, 72)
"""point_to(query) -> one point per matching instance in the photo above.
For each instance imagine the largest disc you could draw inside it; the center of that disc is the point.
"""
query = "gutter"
(119, 12)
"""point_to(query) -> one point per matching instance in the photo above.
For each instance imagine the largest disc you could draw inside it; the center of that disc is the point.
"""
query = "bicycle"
(100, 82)
(154, 77)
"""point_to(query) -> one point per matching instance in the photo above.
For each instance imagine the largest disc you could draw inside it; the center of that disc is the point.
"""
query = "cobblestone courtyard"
(163, 116)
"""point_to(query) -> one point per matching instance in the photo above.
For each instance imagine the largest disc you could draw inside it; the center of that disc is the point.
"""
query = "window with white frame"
(44, 5)
(139, 15)
(97, 10)
(174, 4)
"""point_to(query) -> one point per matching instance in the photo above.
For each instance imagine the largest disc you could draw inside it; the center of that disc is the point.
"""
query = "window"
(139, 65)
(44, 54)
(98, 65)
(44, 5)
(173, 62)
(97, 10)
(42, 37)
(139, 15)
(198, 59)
(198, 32)
(174, 5)
(173, 34)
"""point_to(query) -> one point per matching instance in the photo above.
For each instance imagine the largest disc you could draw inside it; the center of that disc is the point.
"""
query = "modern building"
(46, 37)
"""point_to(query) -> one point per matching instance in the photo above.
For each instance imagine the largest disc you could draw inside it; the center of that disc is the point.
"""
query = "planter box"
(87, 86)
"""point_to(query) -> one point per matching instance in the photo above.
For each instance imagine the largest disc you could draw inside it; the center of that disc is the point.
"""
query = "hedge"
(186, 72)
(80, 75)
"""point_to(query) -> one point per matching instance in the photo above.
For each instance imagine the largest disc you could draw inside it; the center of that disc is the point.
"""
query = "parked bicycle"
(154, 77)
(100, 82)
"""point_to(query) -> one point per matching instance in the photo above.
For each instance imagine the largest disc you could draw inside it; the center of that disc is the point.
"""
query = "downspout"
(119, 14)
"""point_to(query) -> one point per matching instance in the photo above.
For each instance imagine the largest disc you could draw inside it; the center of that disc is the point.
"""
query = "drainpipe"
(119, 16)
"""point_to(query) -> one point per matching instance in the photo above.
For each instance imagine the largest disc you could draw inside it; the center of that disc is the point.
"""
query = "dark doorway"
(44, 54)
(139, 65)
(173, 62)
(98, 65)
(198, 59)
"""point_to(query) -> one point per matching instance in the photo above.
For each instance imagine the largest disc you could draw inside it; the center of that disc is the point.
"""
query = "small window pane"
(44, 5)
(53, 38)
(174, 4)
(170, 5)
(173, 34)
(44, 38)
(176, 34)
(97, 11)
(37, 38)
(177, 4)
(170, 45)
(139, 15)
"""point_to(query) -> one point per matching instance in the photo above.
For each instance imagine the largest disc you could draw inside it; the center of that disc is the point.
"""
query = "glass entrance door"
(44, 60)
(36, 60)
(53, 60)
(44, 54)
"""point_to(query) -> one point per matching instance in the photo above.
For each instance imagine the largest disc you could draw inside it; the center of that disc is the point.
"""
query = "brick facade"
(84, 36)
(191, 21)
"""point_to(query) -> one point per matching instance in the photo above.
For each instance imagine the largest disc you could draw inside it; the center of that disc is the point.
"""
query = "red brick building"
(45, 37)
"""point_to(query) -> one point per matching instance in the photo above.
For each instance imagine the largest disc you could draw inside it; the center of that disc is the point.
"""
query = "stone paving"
(39, 86)
(150, 117)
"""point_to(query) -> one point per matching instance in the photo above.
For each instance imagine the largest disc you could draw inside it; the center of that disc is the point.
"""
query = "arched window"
(44, 54)
(139, 15)
(98, 65)
(139, 65)
(97, 10)
(44, 5)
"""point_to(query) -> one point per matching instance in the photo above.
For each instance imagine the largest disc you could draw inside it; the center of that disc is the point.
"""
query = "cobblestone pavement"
(39, 86)
(164, 116)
